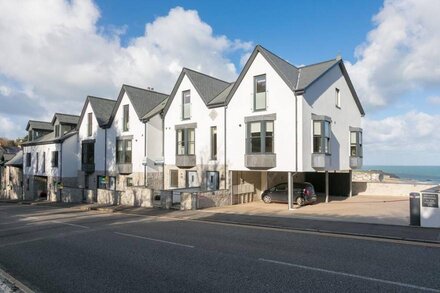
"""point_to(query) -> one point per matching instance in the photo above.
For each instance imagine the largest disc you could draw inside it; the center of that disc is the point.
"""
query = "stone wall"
(216, 198)
(394, 189)
(367, 176)
(133, 196)
(110, 197)
(70, 194)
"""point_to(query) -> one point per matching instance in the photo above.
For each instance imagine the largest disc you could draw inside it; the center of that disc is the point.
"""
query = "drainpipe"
(162, 116)
(105, 152)
(145, 153)
(224, 148)
(290, 179)
(61, 166)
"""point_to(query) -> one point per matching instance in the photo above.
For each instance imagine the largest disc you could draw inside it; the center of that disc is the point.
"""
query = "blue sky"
(56, 52)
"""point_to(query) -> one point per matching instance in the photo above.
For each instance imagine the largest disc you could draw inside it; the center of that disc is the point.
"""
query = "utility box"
(414, 209)
(429, 208)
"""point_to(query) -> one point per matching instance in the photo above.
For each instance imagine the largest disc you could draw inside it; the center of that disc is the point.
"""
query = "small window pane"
(353, 137)
(353, 151)
(256, 145)
(317, 127)
(260, 83)
(360, 137)
(317, 145)
(326, 129)
(260, 101)
(269, 127)
(255, 128)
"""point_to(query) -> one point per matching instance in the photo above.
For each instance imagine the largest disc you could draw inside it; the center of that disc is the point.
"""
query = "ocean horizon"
(428, 174)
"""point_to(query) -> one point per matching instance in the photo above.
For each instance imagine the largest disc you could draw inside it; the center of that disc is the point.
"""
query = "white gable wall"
(320, 99)
(280, 100)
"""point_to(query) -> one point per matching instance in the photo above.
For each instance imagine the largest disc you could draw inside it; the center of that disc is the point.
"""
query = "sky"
(56, 52)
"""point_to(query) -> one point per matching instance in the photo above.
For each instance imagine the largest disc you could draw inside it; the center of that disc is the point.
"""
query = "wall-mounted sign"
(430, 200)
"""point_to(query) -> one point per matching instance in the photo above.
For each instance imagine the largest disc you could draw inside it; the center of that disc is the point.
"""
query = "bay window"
(123, 151)
(321, 136)
(185, 141)
(260, 137)
(356, 144)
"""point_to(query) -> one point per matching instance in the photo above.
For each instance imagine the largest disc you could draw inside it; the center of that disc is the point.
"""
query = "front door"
(192, 180)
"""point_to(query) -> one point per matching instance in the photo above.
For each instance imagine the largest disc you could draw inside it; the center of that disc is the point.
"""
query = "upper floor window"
(185, 141)
(214, 143)
(57, 130)
(321, 136)
(356, 144)
(89, 124)
(260, 137)
(43, 165)
(338, 98)
(30, 135)
(186, 105)
(28, 159)
(54, 160)
(126, 119)
(260, 92)
(37, 163)
(88, 153)
(123, 151)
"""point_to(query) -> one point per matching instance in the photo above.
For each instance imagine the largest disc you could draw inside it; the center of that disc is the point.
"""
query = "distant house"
(50, 157)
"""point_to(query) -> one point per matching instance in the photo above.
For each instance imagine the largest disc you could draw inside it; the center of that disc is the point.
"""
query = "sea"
(428, 174)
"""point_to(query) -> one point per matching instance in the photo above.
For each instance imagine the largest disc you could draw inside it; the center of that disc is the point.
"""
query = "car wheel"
(300, 201)
(267, 199)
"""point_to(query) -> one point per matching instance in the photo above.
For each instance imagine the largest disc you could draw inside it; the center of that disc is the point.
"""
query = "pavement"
(66, 249)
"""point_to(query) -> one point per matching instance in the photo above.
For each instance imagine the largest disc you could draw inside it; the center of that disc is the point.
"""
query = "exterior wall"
(12, 183)
(280, 100)
(320, 99)
(98, 134)
(205, 119)
(142, 197)
(394, 189)
(155, 152)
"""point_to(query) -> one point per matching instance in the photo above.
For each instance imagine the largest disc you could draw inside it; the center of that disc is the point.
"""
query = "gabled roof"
(142, 100)
(16, 161)
(50, 138)
(208, 87)
(297, 79)
(40, 125)
(220, 99)
(65, 118)
(155, 110)
(102, 108)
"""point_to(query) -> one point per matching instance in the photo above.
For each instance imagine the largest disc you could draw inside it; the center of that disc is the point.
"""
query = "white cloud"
(434, 100)
(412, 131)
(8, 127)
(53, 54)
(400, 53)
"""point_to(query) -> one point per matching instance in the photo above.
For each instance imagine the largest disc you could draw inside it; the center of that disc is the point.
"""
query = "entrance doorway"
(192, 179)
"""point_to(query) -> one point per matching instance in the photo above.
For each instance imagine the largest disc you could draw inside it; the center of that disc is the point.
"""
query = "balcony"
(355, 162)
(88, 168)
(185, 161)
(125, 168)
(321, 162)
(260, 161)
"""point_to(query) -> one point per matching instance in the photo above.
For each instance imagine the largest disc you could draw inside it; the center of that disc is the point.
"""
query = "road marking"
(70, 224)
(156, 240)
(350, 275)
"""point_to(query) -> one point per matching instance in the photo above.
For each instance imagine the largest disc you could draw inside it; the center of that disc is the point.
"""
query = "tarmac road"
(66, 250)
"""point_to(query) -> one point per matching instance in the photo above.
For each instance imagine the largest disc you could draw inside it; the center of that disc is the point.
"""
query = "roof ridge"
(39, 121)
(106, 99)
(147, 90)
(313, 64)
(57, 113)
(205, 74)
(277, 56)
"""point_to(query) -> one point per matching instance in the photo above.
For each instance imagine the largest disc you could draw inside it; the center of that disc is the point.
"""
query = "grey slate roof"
(16, 160)
(143, 100)
(102, 108)
(50, 138)
(207, 86)
(41, 125)
(308, 74)
(220, 99)
(156, 109)
(66, 118)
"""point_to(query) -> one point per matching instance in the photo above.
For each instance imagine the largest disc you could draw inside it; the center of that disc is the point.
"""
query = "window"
(174, 178)
(28, 159)
(57, 130)
(185, 141)
(88, 153)
(43, 165)
(260, 92)
(54, 160)
(338, 98)
(356, 144)
(36, 167)
(260, 137)
(89, 124)
(126, 119)
(186, 105)
(321, 136)
(30, 135)
(214, 143)
(124, 151)
(106, 182)
(129, 182)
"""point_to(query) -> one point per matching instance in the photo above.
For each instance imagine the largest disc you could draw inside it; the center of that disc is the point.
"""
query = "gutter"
(145, 153)
(61, 166)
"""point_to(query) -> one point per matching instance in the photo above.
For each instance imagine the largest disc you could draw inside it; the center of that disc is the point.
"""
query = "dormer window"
(260, 92)
(126, 118)
(186, 105)
(57, 130)
(89, 124)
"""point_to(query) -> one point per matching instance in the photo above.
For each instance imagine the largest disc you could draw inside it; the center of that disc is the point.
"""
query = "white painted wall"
(205, 119)
(280, 100)
(98, 134)
(136, 128)
(154, 142)
(320, 99)
(70, 156)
